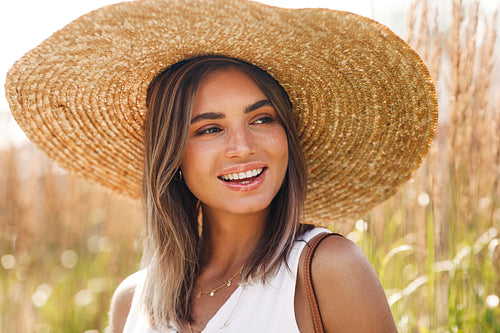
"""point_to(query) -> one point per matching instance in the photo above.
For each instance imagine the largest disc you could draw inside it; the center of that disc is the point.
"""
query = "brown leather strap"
(311, 296)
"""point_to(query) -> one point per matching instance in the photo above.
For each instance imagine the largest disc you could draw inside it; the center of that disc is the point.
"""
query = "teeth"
(242, 175)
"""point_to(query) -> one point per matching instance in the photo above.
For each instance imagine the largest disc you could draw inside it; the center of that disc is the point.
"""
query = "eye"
(208, 130)
(264, 120)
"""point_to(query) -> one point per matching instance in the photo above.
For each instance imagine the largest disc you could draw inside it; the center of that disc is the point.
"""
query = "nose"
(240, 144)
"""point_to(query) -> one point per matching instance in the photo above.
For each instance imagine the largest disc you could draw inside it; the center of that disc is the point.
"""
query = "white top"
(253, 307)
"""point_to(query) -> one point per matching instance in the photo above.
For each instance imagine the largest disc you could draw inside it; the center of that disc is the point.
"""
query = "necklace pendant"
(229, 283)
(212, 293)
(198, 295)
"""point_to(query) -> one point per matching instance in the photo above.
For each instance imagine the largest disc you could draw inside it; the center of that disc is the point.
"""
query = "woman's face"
(236, 155)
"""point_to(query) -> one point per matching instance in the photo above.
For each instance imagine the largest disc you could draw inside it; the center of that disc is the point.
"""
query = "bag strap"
(311, 296)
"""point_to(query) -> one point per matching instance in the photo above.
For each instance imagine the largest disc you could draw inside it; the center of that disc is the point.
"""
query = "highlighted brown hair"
(172, 242)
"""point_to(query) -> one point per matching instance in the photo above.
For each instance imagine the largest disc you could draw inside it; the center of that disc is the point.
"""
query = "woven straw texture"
(364, 101)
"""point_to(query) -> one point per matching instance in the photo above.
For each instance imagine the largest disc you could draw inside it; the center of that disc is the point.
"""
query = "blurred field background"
(65, 245)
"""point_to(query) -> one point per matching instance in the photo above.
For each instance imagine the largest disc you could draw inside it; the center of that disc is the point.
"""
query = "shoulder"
(338, 256)
(349, 293)
(121, 302)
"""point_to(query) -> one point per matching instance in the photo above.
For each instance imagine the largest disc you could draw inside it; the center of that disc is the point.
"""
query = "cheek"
(197, 166)
(278, 144)
(192, 162)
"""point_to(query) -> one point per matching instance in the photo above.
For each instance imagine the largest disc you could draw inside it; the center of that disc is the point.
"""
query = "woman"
(233, 118)
(225, 170)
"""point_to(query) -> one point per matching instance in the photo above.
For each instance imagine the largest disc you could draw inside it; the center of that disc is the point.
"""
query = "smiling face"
(236, 153)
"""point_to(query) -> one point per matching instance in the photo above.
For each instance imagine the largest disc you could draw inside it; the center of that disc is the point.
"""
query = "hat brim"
(365, 104)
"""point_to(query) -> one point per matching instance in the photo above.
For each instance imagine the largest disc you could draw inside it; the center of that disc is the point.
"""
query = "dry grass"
(435, 244)
(447, 218)
(47, 217)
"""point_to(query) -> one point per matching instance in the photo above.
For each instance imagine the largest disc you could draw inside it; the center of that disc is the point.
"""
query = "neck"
(229, 240)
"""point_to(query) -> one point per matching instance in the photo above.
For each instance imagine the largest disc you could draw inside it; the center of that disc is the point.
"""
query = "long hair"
(172, 239)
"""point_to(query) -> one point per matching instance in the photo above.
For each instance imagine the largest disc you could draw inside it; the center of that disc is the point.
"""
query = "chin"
(239, 208)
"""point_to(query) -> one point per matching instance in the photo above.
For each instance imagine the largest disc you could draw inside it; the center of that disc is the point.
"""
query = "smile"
(242, 177)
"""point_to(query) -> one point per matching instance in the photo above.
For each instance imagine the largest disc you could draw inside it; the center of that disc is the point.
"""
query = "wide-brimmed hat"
(364, 102)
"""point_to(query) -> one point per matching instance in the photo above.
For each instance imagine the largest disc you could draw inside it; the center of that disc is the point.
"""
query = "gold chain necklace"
(225, 284)
(191, 329)
(227, 322)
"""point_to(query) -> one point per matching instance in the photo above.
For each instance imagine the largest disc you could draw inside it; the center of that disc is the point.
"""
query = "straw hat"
(364, 101)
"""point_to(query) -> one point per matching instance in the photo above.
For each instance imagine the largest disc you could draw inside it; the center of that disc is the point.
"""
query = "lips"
(243, 177)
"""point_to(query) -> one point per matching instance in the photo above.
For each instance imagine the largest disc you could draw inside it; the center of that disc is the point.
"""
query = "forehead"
(226, 89)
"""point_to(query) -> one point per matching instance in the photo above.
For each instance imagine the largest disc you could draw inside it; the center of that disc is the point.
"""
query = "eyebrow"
(257, 105)
(207, 116)
(217, 115)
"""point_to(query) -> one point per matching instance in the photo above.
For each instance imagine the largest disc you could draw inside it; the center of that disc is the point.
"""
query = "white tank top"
(253, 307)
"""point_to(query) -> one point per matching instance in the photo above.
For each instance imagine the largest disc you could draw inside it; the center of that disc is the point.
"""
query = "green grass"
(45, 295)
(40, 294)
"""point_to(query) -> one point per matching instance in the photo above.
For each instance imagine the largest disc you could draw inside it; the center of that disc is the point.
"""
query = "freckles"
(197, 154)
(277, 140)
